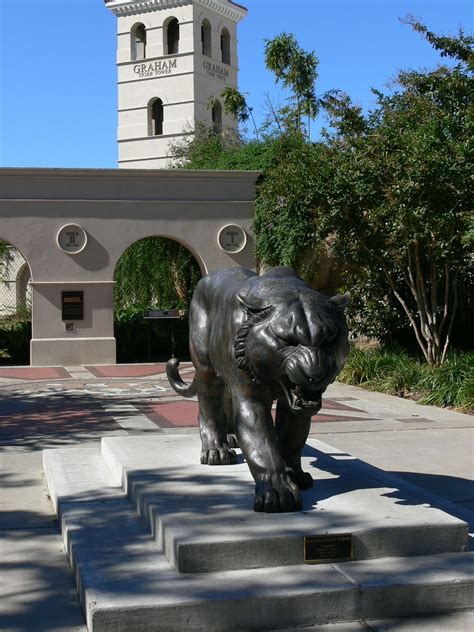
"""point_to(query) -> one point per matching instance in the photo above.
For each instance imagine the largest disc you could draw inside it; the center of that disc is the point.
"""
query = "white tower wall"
(184, 81)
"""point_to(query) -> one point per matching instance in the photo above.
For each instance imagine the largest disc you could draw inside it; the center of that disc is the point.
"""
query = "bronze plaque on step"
(320, 549)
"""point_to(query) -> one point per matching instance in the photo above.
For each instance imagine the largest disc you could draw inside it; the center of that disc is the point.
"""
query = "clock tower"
(174, 57)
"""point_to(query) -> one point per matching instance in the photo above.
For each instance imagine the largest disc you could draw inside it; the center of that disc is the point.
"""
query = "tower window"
(206, 38)
(217, 116)
(155, 117)
(138, 42)
(172, 38)
(225, 46)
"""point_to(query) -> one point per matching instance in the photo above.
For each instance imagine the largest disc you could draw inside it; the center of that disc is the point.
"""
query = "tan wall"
(115, 208)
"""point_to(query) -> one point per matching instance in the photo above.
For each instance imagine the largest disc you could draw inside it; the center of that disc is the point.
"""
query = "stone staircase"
(158, 542)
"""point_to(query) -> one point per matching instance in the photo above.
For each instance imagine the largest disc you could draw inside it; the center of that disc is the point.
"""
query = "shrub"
(394, 371)
(360, 367)
(451, 384)
(15, 339)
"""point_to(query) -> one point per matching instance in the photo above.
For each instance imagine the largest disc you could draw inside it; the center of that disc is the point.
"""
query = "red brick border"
(125, 371)
(34, 373)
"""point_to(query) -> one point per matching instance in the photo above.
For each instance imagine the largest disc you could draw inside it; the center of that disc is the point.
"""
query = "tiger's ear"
(254, 305)
(341, 300)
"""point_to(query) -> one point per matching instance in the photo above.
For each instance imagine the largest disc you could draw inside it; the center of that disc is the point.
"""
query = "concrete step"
(126, 583)
(202, 516)
(451, 622)
(78, 475)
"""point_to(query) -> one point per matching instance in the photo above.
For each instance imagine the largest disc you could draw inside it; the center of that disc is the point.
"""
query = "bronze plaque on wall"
(328, 548)
(73, 305)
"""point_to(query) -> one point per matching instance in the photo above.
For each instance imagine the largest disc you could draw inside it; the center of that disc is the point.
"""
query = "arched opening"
(206, 35)
(154, 273)
(15, 306)
(23, 290)
(138, 42)
(155, 117)
(225, 46)
(172, 37)
(217, 115)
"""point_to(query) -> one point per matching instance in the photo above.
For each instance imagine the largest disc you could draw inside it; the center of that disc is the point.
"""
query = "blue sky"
(58, 75)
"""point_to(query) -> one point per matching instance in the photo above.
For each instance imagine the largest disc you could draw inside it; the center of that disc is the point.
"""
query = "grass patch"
(396, 372)
(451, 384)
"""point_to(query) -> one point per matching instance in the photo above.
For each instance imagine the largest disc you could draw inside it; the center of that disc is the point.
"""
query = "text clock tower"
(173, 56)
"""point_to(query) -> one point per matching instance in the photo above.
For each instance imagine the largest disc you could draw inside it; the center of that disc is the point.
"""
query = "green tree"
(297, 70)
(395, 191)
(5, 257)
(4, 250)
(204, 149)
(388, 193)
(236, 105)
(283, 221)
(155, 273)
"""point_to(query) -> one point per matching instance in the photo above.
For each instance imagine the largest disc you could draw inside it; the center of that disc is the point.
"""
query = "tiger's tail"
(176, 382)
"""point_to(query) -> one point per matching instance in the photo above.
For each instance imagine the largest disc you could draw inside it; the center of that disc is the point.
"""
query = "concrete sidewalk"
(76, 406)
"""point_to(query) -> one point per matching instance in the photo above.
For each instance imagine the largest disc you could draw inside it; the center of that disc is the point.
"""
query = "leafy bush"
(394, 371)
(284, 222)
(15, 339)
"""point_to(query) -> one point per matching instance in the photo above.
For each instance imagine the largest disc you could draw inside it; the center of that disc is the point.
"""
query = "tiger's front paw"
(304, 480)
(276, 493)
(218, 456)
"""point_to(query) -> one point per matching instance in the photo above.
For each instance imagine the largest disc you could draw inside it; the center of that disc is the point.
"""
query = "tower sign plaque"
(72, 239)
(232, 238)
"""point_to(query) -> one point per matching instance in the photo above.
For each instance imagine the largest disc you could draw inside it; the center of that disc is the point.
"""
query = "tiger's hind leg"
(231, 438)
(215, 448)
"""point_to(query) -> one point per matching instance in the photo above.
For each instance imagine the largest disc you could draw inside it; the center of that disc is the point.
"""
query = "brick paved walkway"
(82, 400)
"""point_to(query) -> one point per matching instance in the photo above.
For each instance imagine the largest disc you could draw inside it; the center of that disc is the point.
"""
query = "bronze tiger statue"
(255, 339)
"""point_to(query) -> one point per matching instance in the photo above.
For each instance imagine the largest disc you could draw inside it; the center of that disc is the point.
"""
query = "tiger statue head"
(292, 339)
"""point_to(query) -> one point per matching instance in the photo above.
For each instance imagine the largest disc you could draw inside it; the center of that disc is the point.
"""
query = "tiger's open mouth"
(298, 399)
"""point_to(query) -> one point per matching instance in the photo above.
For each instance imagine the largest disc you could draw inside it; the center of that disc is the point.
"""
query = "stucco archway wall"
(115, 208)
